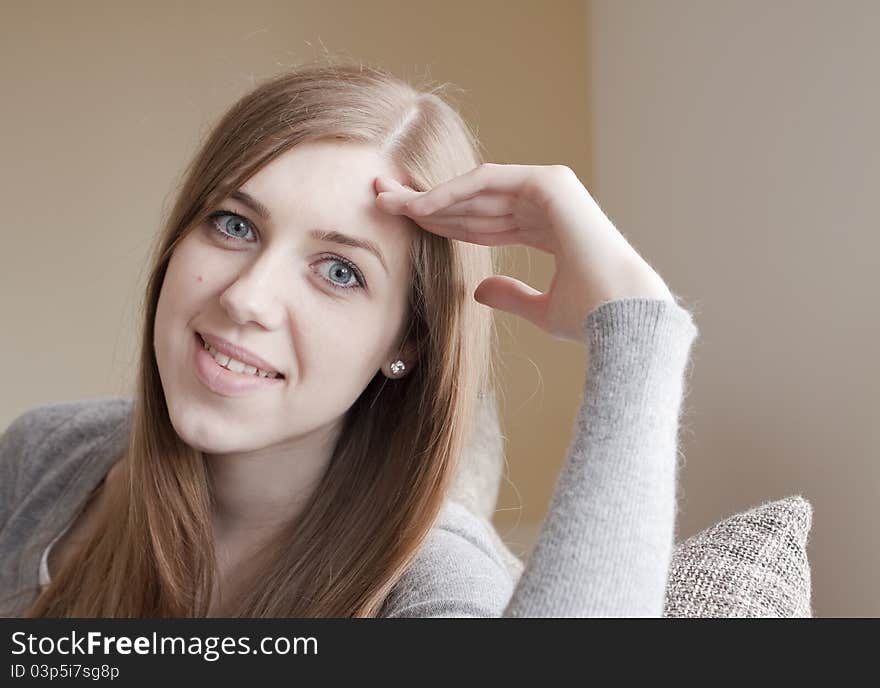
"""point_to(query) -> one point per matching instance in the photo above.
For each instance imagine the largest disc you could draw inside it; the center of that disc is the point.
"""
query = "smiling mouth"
(272, 374)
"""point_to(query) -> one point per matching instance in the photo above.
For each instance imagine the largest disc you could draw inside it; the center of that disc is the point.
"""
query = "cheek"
(183, 287)
(189, 276)
(345, 346)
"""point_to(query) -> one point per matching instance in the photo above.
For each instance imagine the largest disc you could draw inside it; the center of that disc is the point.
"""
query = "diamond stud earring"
(397, 367)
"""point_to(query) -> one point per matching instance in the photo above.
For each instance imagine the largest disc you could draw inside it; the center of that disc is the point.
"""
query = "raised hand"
(544, 207)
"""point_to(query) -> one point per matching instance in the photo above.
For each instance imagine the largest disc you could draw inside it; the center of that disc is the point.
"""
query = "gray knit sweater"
(604, 547)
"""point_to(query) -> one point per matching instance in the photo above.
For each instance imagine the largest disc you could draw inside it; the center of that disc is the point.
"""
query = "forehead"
(330, 186)
(326, 159)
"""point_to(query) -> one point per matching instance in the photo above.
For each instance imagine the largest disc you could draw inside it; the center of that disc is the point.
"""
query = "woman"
(316, 338)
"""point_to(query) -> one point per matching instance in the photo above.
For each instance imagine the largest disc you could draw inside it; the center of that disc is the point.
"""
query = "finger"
(486, 231)
(394, 202)
(485, 177)
(385, 183)
(487, 204)
(511, 295)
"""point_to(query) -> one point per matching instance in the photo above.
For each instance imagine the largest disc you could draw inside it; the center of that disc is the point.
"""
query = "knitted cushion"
(752, 564)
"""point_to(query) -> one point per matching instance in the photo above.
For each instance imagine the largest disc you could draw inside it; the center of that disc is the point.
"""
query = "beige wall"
(737, 144)
(729, 142)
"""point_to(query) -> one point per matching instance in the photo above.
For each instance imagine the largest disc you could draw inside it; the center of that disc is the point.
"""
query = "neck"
(257, 493)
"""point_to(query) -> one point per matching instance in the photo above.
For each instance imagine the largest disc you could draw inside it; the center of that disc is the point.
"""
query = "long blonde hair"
(152, 553)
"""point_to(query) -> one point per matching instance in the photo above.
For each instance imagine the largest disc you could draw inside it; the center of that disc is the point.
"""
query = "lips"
(239, 353)
(224, 382)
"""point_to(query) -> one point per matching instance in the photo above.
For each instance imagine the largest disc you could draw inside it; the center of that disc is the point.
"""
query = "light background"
(733, 143)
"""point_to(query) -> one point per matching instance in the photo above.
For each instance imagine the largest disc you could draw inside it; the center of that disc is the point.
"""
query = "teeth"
(236, 365)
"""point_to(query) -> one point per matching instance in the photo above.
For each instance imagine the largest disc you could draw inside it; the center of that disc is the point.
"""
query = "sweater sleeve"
(606, 543)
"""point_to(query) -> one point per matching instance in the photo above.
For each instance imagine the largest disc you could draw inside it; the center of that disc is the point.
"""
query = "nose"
(252, 296)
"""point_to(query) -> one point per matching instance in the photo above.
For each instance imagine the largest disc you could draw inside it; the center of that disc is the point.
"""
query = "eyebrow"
(331, 236)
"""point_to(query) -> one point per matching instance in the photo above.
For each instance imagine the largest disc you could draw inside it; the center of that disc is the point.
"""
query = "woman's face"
(267, 284)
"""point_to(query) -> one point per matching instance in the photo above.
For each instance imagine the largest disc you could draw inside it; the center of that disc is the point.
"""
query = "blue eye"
(347, 266)
(241, 225)
(221, 228)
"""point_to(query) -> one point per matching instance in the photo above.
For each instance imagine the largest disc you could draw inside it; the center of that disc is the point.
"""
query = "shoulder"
(459, 571)
(49, 435)
(37, 422)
